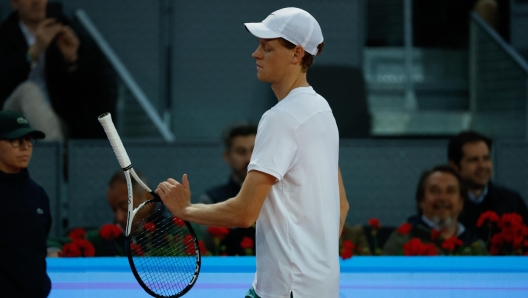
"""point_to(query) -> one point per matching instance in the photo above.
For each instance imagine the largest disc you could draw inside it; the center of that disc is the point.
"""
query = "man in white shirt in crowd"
(293, 188)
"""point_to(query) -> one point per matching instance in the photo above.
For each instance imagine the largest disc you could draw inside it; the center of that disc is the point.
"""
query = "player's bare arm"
(343, 203)
(240, 211)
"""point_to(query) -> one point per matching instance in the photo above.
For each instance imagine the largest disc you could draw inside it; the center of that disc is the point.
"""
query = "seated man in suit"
(469, 153)
(440, 198)
(239, 140)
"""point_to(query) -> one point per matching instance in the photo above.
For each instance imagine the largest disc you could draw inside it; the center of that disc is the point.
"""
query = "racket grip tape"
(111, 132)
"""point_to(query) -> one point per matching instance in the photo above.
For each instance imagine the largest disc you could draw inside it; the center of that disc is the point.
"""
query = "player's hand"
(44, 34)
(68, 43)
(175, 196)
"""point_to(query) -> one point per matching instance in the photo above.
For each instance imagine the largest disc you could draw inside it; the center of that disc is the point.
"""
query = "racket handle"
(111, 132)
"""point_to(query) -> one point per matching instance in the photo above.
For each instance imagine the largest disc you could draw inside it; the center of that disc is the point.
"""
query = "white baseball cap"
(293, 24)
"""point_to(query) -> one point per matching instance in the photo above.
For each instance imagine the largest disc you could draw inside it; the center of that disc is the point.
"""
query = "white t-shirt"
(298, 227)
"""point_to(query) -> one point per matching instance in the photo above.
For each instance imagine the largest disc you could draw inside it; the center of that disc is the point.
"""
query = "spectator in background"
(117, 196)
(469, 153)
(239, 140)
(48, 74)
(439, 198)
(25, 214)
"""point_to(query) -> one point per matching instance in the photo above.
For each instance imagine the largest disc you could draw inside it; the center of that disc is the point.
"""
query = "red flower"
(178, 222)
(136, 250)
(189, 244)
(496, 243)
(435, 234)
(109, 231)
(86, 247)
(346, 254)
(217, 232)
(511, 221)
(415, 247)
(77, 234)
(526, 243)
(188, 239)
(374, 223)
(347, 244)
(246, 243)
(489, 216)
(430, 250)
(451, 243)
(518, 241)
(405, 228)
(190, 249)
(149, 226)
(203, 249)
(70, 250)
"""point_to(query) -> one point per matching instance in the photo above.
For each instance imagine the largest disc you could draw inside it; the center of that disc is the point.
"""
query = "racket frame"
(123, 159)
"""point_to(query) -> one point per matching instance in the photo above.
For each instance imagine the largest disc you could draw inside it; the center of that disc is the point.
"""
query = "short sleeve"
(275, 144)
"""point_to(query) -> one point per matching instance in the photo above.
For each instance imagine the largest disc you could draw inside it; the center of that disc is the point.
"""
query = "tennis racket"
(163, 251)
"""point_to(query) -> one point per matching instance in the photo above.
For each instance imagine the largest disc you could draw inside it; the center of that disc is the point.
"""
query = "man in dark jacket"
(25, 214)
(439, 200)
(469, 154)
(51, 74)
(239, 140)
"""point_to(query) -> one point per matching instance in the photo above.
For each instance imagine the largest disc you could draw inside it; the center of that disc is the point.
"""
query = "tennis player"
(293, 189)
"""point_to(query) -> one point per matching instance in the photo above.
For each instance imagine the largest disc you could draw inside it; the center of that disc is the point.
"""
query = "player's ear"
(298, 54)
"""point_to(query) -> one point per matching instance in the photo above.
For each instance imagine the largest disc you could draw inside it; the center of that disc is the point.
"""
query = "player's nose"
(256, 54)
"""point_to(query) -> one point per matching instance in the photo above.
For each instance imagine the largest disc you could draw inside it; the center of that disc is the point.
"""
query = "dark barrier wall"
(380, 176)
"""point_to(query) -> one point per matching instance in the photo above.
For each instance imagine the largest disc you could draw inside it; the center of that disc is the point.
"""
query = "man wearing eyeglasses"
(24, 214)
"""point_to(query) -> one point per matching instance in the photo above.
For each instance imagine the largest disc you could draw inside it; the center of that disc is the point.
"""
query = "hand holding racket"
(182, 193)
(162, 250)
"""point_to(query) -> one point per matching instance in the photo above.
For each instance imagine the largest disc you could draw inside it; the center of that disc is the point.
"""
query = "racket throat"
(128, 224)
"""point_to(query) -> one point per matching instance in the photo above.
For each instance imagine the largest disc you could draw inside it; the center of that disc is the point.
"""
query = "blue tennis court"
(360, 277)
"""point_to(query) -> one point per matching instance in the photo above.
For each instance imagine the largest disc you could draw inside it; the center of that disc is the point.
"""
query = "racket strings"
(163, 250)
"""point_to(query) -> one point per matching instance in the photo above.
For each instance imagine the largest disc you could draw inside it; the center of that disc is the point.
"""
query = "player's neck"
(284, 87)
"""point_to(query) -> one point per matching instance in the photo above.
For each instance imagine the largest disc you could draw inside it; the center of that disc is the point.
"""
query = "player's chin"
(263, 78)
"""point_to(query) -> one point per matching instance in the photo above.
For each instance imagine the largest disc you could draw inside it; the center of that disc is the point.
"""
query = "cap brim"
(24, 132)
(260, 30)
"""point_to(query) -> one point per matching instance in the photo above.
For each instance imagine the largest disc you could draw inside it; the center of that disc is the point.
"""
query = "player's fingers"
(173, 182)
(185, 182)
(159, 192)
(164, 187)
